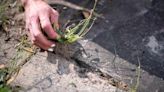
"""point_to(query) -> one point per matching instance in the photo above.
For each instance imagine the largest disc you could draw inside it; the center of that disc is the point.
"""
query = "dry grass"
(3, 7)
(10, 71)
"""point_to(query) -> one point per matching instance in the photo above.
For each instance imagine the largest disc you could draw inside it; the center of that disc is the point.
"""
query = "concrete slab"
(57, 74)
(131, 32)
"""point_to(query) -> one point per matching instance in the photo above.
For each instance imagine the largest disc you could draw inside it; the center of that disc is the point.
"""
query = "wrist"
(27, 2)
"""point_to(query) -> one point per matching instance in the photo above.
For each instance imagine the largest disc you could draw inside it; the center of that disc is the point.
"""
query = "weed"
(72, 34)
(134, 89)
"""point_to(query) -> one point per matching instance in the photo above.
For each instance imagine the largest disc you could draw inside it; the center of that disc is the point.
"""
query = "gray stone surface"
(119, 68)
(57, 74)
(131, 32)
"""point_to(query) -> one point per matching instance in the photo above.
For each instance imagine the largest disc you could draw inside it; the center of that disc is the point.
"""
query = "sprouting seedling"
(72, 34)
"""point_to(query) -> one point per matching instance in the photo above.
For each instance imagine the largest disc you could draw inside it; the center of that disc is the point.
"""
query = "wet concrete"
(134, 31)
(140, 36)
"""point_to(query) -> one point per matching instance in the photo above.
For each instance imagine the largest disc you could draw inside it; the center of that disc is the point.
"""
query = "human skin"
(39, 17)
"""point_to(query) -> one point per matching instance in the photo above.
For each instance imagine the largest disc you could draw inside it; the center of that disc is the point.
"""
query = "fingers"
(36, 35)
(30, 35)
(54, 16)
(46, 25)
(45, 46)
(38, 19)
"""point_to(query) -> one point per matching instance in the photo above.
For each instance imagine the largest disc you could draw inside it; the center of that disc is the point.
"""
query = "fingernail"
(53, 45)
(50, 49)
(56, 25)
(58, 36)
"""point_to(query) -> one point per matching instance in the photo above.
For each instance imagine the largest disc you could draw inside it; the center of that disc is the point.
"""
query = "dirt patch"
(12, 29)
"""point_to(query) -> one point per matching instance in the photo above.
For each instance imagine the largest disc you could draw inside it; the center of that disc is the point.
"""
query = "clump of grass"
(72, 34)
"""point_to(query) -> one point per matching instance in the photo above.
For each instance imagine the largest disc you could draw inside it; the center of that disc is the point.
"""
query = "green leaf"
(61, 40)
(73, 38)
(57, 30)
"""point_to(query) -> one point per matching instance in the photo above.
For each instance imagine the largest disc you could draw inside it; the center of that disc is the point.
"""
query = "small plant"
(134, 88)
(72, 34)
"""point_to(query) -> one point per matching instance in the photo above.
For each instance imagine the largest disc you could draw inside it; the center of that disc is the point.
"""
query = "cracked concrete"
(40, 75)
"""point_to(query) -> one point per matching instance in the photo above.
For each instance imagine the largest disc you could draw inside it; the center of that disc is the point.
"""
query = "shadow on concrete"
(64, 56)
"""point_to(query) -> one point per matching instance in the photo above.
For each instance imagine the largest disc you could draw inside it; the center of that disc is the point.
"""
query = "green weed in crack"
(72, 34)
(134, 89)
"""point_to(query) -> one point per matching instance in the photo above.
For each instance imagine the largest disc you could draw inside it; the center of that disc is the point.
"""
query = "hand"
(39, 18)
